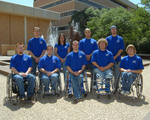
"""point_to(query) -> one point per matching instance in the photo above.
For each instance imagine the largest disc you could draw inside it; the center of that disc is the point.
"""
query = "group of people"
(99, 57)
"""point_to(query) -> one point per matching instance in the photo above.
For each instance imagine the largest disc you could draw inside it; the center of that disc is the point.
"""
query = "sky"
(30, 2)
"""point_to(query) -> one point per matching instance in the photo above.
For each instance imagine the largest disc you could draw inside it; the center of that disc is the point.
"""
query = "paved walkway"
(91, 108)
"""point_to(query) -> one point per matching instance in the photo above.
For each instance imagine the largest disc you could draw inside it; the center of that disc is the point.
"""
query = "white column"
(25, 30)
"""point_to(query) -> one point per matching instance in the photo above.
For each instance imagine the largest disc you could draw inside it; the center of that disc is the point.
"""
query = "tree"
(100, 26)
(146, 3)
(84, 16)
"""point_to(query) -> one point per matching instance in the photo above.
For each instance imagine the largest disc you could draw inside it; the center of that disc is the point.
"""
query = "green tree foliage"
(146, 3)
(100, 26)
(84, 16)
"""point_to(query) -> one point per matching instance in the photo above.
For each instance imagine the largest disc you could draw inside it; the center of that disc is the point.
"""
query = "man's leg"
(30, 90)
(76, 88)
(131, 79)
(19, 81)
(34, 65)
(79, 82)
(45, 81)
(124, 77)
(54, 82)
(108, 76)
(116, 75)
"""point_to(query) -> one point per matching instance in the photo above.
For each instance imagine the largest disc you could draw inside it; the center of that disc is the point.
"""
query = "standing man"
(88, 45)
(36, 47)
(50, 65)
(21, 66)
(116, 46)
(75, 63)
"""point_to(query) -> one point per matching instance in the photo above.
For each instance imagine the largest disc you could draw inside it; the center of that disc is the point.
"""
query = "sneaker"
(30, 98)
(46, 93)
(122, 92)
(79, 99)
(75, 101)
(22, 99)
(127, 93)
(94, 87)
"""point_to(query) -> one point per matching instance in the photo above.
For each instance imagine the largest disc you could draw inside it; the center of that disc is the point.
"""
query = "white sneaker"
(94, 87)
(122, 92)
(127, 93)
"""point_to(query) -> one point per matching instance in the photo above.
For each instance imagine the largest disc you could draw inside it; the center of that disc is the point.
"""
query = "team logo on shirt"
(25, 59)
(41, 42)
(65, 46)
(134, 61)
(80, 56)
(54, 61)
(92, 42)
(118, 41)
(107, 54)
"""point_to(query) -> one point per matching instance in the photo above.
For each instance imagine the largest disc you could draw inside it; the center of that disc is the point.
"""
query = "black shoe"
(75, 101)
(79, 99)
(30, 98)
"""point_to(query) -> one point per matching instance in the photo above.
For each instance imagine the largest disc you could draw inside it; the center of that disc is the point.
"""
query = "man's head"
(49, 49)
(102, 43)
(20, 48)
(87, 33)
(131, 50)
(75, 45)
(36, 31)
(113, 29)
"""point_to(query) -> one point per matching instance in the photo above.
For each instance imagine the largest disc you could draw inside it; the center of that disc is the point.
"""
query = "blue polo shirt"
(36, 46)
(88, 46)
(75, 60)
(132, 63)
(49, 63)
(62, 50)
(21, 62)
(102, 58)
(115, 44)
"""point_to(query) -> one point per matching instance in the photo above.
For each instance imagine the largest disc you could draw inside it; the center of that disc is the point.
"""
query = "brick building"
(67, 8)
(17, 23)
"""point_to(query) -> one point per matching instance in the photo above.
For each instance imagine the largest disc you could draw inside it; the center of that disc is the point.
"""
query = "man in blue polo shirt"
(88, 45)
(49, 65)
(130, 66)
(75, 63)
(36, 47)
(21, 66)
(103, 60)
(116, 46)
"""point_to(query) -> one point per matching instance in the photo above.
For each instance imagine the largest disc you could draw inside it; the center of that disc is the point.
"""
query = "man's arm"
(119, 53)
(70, 70)
(32, 55)
(14, 70)
(80, 71)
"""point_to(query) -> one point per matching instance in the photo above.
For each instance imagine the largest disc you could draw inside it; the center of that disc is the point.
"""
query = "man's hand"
(128, 70)
(62, 60)
(49, 73)
(37, 60)
(23, 74)
(102, 69)
(115, 57)
(88, 57)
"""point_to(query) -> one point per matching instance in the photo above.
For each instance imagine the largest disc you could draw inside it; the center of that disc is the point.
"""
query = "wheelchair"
(12, 88)
(69, 88)
(41, 86)
(137, 86)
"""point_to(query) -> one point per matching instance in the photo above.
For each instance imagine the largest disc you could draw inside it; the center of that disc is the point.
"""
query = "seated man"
(21, 66)
(130, 66)
(49, 65)
(75, 63)
(103, 60)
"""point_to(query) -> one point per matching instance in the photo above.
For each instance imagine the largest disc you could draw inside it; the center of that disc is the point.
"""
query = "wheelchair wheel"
(139, 87)
(9, 87)
(98, 96)
(109, 96)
